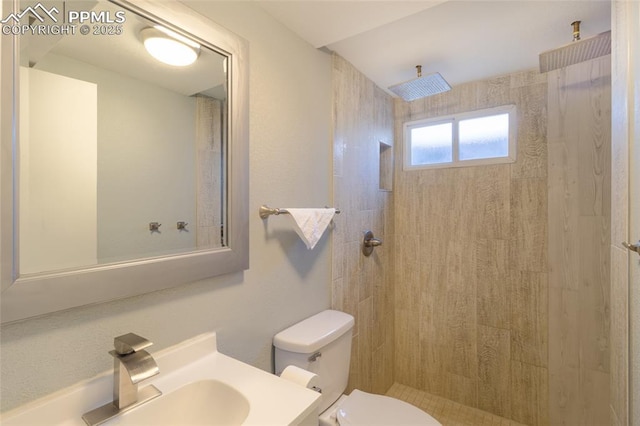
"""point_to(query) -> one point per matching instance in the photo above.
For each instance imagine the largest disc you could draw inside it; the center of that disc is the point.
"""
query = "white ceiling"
(463, 40)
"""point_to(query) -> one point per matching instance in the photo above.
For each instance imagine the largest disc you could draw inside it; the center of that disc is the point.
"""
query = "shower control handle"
(369, 242)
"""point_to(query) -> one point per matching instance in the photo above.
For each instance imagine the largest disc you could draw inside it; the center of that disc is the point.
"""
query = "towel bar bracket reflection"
(266, 211)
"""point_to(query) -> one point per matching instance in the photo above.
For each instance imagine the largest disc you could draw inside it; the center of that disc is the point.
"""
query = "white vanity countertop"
(273, 401)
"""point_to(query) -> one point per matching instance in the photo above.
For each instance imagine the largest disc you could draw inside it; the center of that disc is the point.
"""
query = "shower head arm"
(576, 30)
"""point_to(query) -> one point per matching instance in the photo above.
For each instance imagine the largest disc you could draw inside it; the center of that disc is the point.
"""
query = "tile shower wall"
(625, 49)
(362, 286)
(579, 136)
(471, 278)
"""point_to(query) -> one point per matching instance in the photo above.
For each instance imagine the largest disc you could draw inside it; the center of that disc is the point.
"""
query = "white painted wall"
(144, 163)
(58, 172)
(290, 160)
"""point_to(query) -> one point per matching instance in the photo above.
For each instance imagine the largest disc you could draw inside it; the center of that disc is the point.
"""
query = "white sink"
(199, 385)
(208, 402)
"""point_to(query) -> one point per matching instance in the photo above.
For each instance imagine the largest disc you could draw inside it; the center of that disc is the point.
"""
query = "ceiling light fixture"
(170, 47)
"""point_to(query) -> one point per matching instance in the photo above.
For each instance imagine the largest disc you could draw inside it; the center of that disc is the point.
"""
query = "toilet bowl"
(362, 408)
(322, 344)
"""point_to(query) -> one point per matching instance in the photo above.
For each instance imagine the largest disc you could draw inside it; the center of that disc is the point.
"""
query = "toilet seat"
(362, 408)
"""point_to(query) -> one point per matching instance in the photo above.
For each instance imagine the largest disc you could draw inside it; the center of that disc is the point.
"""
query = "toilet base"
(328, 416)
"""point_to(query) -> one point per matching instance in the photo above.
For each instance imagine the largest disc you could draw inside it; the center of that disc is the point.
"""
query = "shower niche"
(386, 167)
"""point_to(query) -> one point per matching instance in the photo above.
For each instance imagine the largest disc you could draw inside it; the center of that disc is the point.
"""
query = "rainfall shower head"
(576, 51)
(421, 87)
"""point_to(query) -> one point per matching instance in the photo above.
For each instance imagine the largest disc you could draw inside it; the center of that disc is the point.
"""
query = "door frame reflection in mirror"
(28, 296)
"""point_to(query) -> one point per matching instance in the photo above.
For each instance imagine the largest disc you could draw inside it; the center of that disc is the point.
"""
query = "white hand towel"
(310, 224)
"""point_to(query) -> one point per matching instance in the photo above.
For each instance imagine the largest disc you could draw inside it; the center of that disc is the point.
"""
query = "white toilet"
(322, 344)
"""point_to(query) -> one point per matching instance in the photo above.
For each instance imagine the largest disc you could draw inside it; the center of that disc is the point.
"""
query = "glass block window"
(473, 138)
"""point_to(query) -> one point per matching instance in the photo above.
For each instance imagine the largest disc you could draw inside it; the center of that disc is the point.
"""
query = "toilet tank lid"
(314, 332)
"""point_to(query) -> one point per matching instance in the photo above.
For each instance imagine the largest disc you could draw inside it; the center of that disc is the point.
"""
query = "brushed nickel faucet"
(131, 365)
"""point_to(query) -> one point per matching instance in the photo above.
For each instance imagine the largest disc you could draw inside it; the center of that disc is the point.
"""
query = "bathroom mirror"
(126, 174)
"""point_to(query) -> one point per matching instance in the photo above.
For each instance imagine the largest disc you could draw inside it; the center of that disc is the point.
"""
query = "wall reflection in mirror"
(112, 139)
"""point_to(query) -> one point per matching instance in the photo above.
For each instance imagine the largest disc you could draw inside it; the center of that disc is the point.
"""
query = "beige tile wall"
(490, 307)
(471, 262)
(579, 141)
(624, 404)
(363, 286)
(209, 132)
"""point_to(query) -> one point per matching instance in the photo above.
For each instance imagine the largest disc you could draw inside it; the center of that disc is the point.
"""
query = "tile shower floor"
(447, 412)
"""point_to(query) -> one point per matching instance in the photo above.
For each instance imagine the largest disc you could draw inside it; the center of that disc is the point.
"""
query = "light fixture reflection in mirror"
(169, 47)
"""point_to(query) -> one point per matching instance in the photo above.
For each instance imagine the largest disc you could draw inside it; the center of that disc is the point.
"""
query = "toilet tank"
(320, 344)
